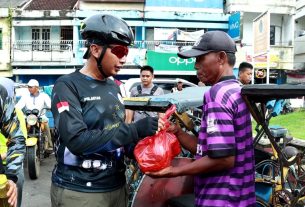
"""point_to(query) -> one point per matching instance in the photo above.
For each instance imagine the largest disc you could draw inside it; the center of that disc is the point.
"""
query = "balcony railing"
(59, 51)
(152, 45)
(64, 50)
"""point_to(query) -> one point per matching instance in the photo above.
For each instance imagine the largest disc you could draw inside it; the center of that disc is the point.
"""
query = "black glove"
(147, 126)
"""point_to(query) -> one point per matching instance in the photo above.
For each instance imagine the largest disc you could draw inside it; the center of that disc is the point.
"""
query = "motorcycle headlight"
(31, 119)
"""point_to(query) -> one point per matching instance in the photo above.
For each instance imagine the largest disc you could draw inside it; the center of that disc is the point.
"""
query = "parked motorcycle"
(35, 143)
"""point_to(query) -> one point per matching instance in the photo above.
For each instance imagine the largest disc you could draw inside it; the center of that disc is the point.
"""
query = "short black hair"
(147, 68)
(243, 66)
(231, 58)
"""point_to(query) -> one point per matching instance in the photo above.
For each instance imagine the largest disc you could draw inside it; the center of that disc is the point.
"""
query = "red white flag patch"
(62, 106)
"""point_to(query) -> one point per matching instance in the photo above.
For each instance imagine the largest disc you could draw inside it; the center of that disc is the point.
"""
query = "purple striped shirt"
(226, 131)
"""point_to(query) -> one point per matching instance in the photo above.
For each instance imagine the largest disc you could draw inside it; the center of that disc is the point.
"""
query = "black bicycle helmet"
(105, 29)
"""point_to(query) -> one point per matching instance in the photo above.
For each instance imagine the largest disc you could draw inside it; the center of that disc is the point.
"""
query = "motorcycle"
(35, 142)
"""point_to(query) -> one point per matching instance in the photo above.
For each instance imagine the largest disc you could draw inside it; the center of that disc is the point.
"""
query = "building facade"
(281, 37)
(298, 74)
(5, 69)
(46, 41)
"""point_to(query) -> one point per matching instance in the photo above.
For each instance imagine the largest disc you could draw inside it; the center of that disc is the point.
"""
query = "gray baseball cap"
(213, 41)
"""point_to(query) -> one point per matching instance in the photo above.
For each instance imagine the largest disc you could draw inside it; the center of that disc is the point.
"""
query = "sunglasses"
(119, 51)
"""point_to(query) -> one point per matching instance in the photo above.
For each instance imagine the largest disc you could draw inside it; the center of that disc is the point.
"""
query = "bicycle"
(282, 174)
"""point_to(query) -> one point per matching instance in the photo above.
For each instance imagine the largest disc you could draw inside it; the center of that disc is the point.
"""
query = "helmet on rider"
(105, 29)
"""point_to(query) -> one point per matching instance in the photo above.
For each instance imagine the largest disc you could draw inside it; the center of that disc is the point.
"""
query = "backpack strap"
(153, 90)
(139, 88)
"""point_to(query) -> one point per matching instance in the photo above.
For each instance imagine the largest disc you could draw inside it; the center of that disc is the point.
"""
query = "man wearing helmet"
(89, 118)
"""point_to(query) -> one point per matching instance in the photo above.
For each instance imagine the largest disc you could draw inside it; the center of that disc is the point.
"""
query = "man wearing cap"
(37, 100)
(224, 166)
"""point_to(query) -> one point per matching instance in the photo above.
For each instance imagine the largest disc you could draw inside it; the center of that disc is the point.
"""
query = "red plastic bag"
(154, 153)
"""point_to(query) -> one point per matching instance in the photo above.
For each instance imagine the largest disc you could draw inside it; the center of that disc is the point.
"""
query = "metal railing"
(43, 45)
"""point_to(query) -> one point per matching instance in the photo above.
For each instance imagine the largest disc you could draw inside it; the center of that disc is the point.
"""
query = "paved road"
(36, 193)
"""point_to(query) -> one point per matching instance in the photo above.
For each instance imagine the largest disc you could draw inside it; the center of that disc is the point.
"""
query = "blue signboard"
(215, 4)
(234, 26)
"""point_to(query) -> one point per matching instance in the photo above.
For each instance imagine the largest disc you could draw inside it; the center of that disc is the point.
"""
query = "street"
(36, 193)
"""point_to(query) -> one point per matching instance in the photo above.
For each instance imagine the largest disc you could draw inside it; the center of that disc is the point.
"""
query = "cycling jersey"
(10, 128)
(92, 136)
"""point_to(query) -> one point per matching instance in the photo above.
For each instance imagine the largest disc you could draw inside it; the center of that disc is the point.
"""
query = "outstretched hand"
(164, 173)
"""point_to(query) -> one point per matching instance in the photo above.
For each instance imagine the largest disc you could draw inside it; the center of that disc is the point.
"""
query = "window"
(1, 39)
(272, 35)
(41, 38)
(66, 37)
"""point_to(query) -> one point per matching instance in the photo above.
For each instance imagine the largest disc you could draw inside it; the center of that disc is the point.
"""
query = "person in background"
(201, 83)
(224, 166)
(89, 117)
(245, 71)
(179, 86)
(146, 88)
(37, 100)
(12, 155)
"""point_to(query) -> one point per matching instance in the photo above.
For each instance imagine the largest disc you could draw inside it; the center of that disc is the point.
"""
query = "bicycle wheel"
(261, 203)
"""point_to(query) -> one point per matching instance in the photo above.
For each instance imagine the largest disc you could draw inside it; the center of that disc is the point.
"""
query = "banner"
(234, 26)
(169, 62)
(189, 36)
(165, 34)
(261, 34)
(185, 3)
(136, 57)
(167, 48)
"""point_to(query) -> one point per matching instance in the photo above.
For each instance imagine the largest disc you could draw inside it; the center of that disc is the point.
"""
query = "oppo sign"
(179, 61)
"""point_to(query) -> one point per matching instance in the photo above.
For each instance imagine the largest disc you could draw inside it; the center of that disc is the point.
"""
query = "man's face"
(245, 76)
(146, 78)
(33, 89)
(114, 58)
(207, 67)
(179, 86)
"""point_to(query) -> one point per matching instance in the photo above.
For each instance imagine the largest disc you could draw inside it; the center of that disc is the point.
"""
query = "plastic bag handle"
(170, 111)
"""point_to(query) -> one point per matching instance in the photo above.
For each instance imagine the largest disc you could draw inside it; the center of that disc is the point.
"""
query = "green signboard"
(162, 61)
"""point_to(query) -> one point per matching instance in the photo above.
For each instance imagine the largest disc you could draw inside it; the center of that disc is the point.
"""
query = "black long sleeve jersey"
(92, 136)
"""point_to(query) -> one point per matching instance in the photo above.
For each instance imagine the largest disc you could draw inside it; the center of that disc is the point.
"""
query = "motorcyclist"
(14, 155)
(37, 100)
(89, 118)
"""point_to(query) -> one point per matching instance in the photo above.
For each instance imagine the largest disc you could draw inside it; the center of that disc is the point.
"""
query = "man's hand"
(147, 126)
(165, 173)
(175, 129)
(12, 193)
